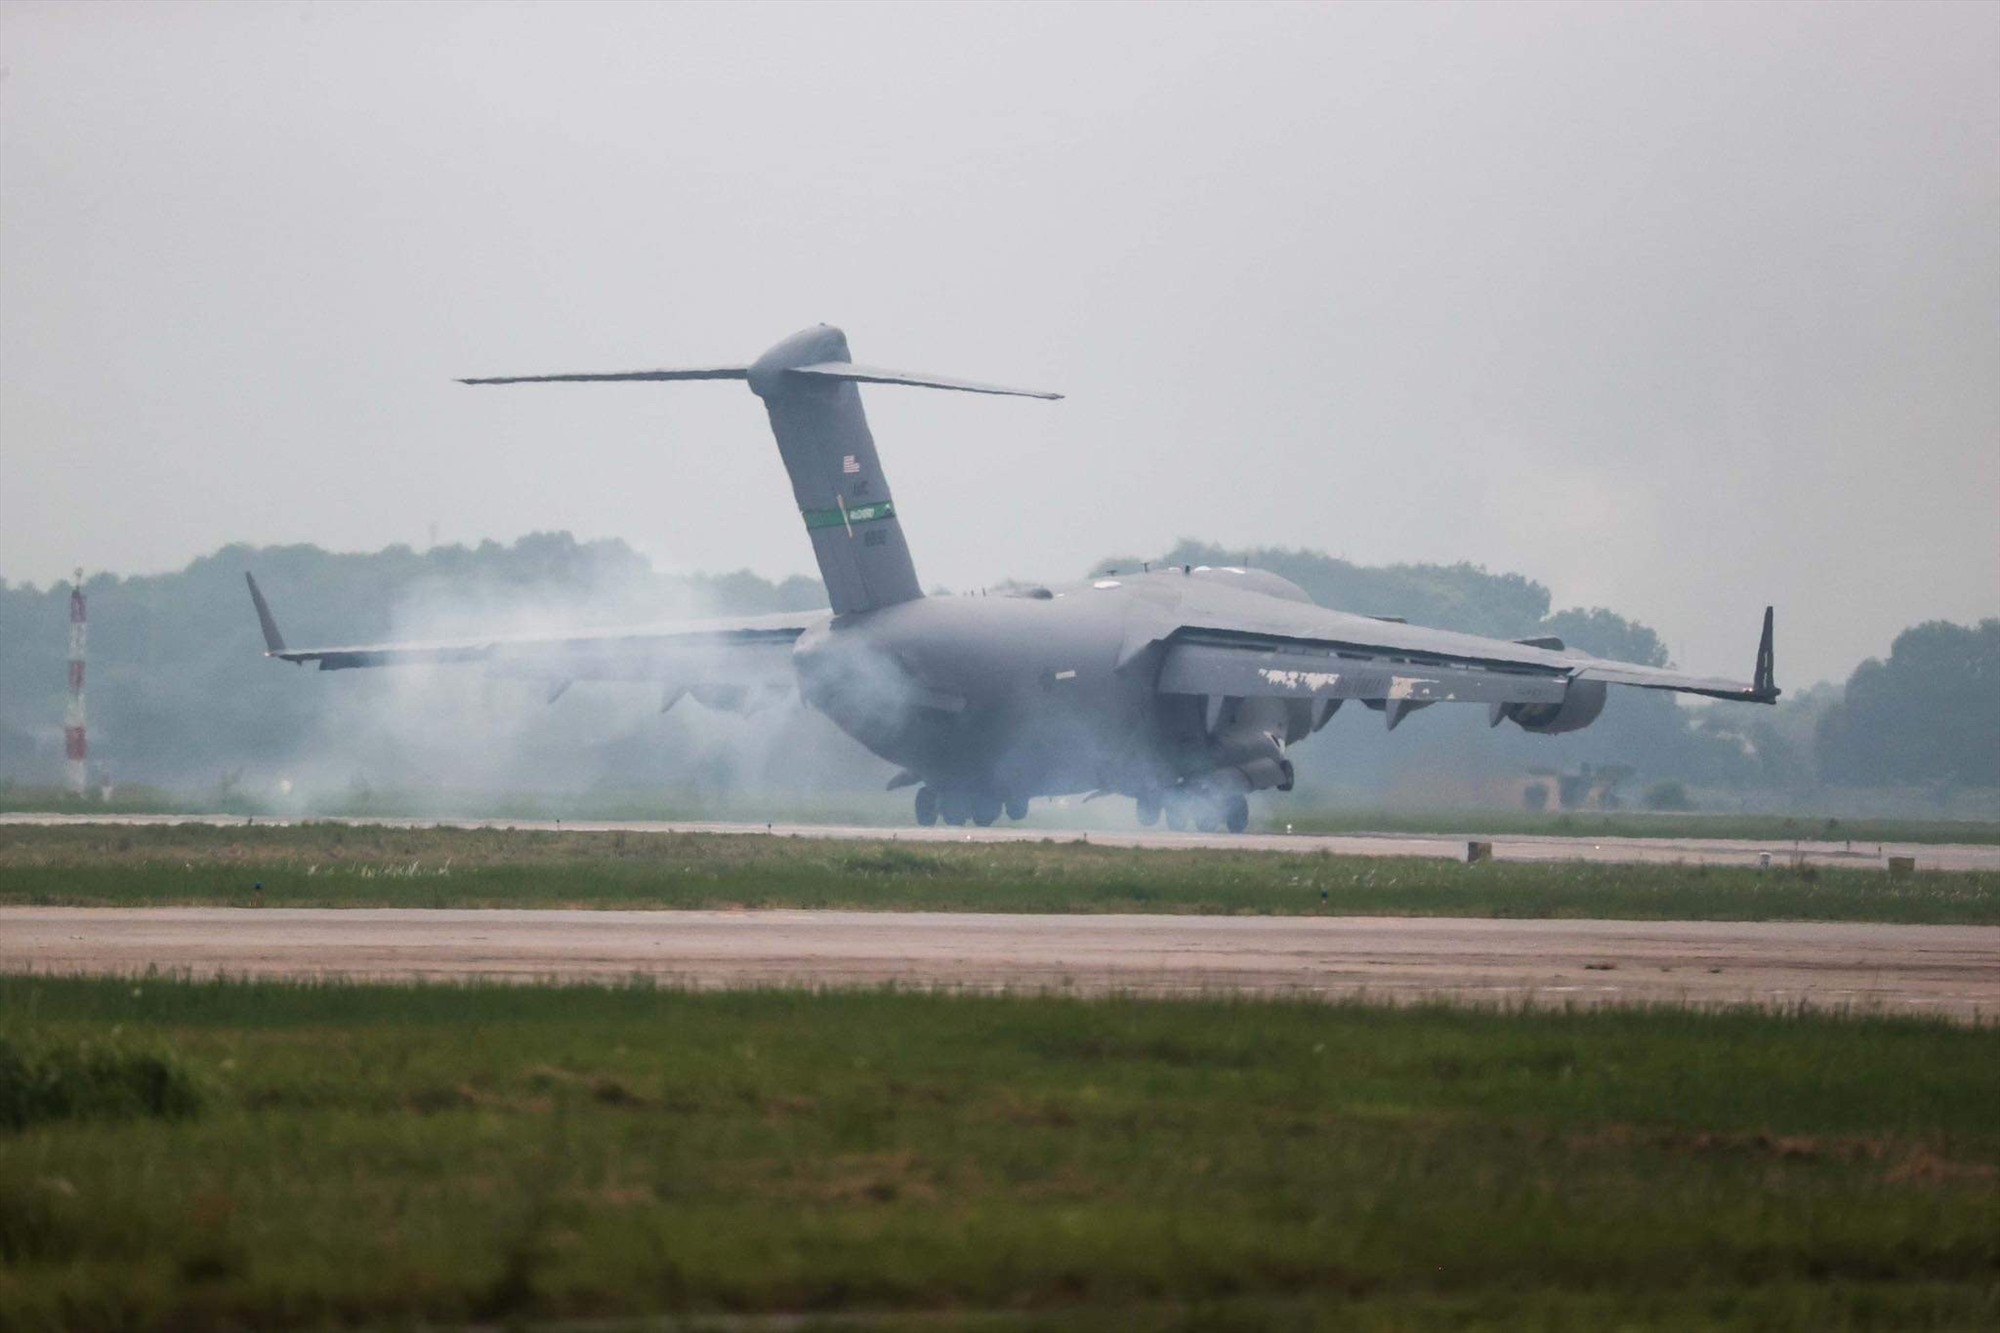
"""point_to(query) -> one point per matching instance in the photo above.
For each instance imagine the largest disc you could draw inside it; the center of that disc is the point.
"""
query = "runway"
(1506, 847)
(1951, 971)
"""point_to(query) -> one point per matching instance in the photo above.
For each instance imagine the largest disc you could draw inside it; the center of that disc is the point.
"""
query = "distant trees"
(1646, 729)
(1668, 796)
(180, 691)
(1461, 597)
(1606, 634)
(1929, 714)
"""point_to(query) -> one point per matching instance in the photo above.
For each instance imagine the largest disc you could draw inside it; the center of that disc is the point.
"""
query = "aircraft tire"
(1017, 808)
(1237, 817)
(1207, 822)
(954, 807)
(1148, 810)
(927, 807)
(985, 809)
(1176, 817)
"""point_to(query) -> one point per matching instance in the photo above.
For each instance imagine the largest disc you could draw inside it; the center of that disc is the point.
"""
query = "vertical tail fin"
(837, 480)
(808, 383)
(1765, 679)
(274, 642)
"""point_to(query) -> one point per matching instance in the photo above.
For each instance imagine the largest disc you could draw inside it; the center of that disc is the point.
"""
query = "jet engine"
(1253, 762)
(1266, 772)
(1582, 701)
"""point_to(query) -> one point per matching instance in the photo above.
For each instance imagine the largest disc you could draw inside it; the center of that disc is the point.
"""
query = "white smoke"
(466, 739)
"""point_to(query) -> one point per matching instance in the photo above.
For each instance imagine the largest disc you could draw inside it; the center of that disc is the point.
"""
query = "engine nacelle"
(1266, 773)
(1260, 774)
(1581, 703)
(1248, 761)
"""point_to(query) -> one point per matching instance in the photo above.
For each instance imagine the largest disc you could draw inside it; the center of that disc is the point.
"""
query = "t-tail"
(808, 384)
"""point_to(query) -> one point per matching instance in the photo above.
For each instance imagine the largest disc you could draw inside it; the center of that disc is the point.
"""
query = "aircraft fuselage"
(1050, 692)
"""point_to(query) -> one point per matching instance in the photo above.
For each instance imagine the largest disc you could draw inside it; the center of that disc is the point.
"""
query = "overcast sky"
(1678, 309)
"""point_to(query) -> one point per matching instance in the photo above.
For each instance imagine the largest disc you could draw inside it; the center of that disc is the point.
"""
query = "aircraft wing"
(1300, 651)
(751, 652)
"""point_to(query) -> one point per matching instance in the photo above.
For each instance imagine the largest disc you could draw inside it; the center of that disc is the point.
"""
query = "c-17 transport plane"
(1183, 687)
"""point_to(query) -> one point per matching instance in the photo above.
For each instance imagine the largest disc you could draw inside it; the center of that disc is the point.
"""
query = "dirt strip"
(1952, 971)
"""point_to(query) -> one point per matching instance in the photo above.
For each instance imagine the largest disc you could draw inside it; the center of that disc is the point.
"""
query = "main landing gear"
(958, 807)
(1207, 812)
(1236, 816)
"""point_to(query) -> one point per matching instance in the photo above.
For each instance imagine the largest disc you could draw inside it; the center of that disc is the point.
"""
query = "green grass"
(338, 865)
(1776, 829)
(1305, 812)
(87, 1079)
(125, 800)
(373, 1154)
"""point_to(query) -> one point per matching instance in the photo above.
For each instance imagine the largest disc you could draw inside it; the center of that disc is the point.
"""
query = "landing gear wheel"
(927, 807)
(1176, 817)
(985, 809)
(1208, 821)
(955, 808)
(1149, 810)
(1236, 816)
(1017, 808)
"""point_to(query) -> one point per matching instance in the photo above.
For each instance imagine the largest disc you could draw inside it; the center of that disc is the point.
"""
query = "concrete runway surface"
(1506, 847)
(1953, 971)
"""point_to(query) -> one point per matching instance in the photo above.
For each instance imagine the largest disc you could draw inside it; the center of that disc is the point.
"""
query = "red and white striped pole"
(75, 745)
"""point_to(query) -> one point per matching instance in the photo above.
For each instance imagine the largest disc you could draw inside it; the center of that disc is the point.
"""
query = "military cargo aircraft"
(1183, 687)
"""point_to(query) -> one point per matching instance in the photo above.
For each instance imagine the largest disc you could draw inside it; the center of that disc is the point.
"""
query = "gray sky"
(1677, 309)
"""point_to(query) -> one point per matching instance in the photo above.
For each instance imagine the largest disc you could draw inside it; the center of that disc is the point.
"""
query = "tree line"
(180, 693)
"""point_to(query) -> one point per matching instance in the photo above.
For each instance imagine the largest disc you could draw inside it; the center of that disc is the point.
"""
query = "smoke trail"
(466, 737)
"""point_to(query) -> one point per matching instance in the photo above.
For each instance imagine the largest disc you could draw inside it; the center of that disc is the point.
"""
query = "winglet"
(1764, 683)
(274, 642)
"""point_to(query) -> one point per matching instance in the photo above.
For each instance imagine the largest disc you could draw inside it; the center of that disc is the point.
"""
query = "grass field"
(338, 865)
(1303, 811)
(230, 1155)
(1776, 829)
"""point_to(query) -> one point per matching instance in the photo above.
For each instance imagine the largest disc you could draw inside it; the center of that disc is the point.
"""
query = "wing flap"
(1304, 651)
(1248, 670)
(708, 652)
(1659, 678)
(748, 652)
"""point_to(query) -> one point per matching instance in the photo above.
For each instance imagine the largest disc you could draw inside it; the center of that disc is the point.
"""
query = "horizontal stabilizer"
(697, 373)
(850, 373)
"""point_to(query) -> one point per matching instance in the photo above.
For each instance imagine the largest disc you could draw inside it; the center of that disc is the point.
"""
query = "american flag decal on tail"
(849, 464)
